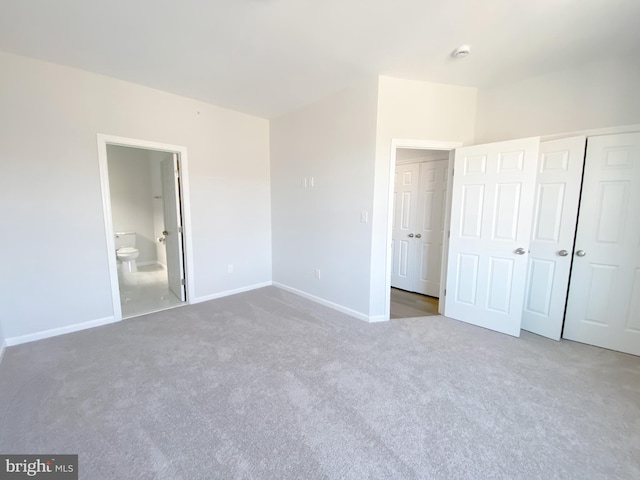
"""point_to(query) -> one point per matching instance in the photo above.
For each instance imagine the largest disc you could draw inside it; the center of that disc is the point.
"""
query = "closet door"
(554, 224)
(603, 307)
(405, 203)
(430, 226)
(491, 217)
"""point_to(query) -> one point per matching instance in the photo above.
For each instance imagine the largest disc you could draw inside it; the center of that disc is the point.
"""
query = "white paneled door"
(405, 203)
(430, 226)
(491, 219)
(173, 226)
(554, 223)
(603, 306)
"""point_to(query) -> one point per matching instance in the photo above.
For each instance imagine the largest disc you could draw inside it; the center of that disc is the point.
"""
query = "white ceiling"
(267, 57)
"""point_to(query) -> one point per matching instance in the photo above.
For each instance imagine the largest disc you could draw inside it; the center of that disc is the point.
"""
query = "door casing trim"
(418, 145)
(104, 140)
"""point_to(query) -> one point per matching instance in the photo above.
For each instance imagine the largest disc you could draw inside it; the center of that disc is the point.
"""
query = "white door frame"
(417, 145)
(103, 141)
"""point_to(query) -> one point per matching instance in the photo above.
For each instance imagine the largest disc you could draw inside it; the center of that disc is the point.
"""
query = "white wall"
(50, 200)
(319, 227)
(132, 197)
(2, 343)
(409, 109)
(595, 95)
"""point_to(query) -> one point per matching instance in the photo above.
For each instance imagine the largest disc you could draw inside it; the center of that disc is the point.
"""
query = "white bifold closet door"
(491, 219)
(555, 216)
(603, 307)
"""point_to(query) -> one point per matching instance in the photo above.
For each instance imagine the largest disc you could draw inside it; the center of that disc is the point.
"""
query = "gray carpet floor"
(267, 385)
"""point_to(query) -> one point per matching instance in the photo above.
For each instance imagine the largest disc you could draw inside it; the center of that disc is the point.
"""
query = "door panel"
(603, 303)
(430, 225)
(491, 218)
(472, 207)
(404, 219)
(555, 216)
(173, 226)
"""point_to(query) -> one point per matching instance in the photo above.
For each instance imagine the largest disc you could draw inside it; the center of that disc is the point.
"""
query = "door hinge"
(179, 229)
(453, 172)
(445, 292)
(182, 281)
(449, 234)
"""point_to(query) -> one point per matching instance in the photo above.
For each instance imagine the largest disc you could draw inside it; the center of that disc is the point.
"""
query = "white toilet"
(126, 251)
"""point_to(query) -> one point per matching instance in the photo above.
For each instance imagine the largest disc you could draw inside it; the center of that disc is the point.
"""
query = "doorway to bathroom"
(144, 186)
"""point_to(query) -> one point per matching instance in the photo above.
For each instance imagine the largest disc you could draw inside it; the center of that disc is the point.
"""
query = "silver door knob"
(520, 251)
(581, 253)
(418, 235)
(563, 253)
(410, 235)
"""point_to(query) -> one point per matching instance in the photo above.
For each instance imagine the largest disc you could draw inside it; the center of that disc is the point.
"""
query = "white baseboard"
(3, 347)
(327, 303)
(54, 332)
(378, 318)
(146, 263)
(226, 293)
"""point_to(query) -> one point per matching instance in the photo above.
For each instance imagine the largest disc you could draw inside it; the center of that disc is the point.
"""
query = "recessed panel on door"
(471, 214)
(467, 278)
(507, 210)
(633, 312)
(540, 287)
(500, 284)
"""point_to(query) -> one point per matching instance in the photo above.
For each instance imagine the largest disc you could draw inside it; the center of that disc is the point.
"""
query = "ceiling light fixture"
(461, 52)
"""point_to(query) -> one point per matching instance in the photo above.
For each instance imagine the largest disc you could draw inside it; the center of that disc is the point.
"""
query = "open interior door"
(173, 226)
(491, 218)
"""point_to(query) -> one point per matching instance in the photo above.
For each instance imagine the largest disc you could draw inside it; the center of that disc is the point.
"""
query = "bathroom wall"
(132, 198)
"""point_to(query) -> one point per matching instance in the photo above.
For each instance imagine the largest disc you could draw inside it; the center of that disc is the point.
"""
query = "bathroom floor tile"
(145, 291)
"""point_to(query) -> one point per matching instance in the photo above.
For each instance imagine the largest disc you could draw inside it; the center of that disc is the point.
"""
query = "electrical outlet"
(318, 274)
(230, 268)
(364, 216)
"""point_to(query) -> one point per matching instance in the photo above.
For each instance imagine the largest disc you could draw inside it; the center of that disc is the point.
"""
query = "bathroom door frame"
(187, 253)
